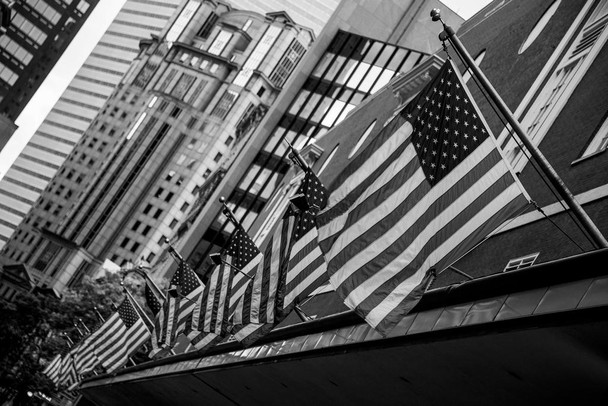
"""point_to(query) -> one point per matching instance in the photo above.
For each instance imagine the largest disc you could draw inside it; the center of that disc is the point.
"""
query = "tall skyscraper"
(38, 34)
(313, 14)
(188, 103)
(80, 102)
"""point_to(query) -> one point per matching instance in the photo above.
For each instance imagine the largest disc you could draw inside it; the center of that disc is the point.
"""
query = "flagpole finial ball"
(222, 199)
(436, 14)
(166, 240)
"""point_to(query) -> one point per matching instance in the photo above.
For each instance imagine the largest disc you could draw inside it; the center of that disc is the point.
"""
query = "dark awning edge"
(574, 268)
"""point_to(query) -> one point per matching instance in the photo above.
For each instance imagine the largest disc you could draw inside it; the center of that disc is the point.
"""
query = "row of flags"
(107, 348)
(429, 187)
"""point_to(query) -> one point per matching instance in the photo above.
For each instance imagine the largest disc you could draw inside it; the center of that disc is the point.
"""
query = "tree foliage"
(36, 327)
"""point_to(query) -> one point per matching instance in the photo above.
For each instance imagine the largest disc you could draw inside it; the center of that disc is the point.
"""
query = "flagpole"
(86, 329)
(449, 34)
(297, 158)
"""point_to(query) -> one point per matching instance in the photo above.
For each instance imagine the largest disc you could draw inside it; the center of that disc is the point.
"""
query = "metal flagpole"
(86, 329)
(449, 34)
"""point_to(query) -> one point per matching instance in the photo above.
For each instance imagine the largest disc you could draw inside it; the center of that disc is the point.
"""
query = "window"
(176, 112)
(599, 141)
(229, 140)
(157, 214)
(247, 25)
(224, 104)
(328, 160)
(286, 65)
(146, 230)
(218, 156)
(159, 192)
(169, 197)
(136, 225)
(173, 223)
(522, 262)
(220, 42)
(205, 29)
(182, 86)
(147, 209)
(540, 25)
(192, 122)
(467, 74)
(124, 242)
(362, 139)
(185, 206)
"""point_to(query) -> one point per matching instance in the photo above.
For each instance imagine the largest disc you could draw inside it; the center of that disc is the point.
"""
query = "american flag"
(223, 290)
(255, 314)
(53, 368)
(67, 371)
(155, 304)
(84, 356)
(429, 187)
(305, 270)
(120, 336)
(178, 309)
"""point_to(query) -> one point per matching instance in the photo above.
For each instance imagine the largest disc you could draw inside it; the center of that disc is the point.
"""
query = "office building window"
(224, 105)
(521, 262)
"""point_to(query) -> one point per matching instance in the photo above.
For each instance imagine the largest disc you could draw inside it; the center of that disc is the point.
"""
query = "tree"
(36, 327)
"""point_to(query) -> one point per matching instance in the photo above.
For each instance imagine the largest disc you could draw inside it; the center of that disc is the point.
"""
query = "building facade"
(57, 135)
(38, 34)
(187, 104)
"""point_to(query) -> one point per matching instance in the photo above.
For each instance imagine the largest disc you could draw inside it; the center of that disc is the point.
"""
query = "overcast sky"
(76, 53)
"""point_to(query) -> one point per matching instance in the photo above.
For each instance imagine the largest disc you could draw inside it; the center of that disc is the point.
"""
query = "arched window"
(478, 59)
(331, 155)
(540, 25)
(362, 139)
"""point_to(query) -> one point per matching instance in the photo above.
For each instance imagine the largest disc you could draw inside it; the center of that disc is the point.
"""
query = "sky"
(77, 52)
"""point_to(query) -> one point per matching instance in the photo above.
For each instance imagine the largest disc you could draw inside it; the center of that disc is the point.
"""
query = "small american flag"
(429, 187)
(155, 304)
(225, 287)
(305, 269)
(53, 368)
(255, 315)
(178, 310)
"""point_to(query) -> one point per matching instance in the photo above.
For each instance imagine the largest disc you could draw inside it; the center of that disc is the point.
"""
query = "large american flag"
(429, 187)
(178, 310)
(255, 314)
(305, 269)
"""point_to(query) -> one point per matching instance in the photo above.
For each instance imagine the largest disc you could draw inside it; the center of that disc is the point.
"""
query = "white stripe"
(362, 291)
(238, 276)
(387, 206)
(210, 296)
(256, 291)
(398, 294)
(299, 245)
(222, 301)
(312, 276)
(371, 164)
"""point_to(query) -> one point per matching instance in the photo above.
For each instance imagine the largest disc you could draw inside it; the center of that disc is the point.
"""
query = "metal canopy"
(471, 344)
